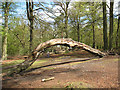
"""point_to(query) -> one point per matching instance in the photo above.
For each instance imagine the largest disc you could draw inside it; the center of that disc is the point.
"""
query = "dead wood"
(40, 48)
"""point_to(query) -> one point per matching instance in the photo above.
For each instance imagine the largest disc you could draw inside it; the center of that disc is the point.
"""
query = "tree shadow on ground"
(72, 61)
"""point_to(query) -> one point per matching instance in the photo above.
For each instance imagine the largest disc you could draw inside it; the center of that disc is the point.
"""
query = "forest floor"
(77, 72)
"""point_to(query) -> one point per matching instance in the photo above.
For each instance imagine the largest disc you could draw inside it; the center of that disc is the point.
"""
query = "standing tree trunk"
(4, 48)
(93, 27)
(111, 25)
(93, 14)
(105, 38)
(78, 34)
(118, 28)
(29, 7)
(62, 34)
(117, 36)
(66, 19)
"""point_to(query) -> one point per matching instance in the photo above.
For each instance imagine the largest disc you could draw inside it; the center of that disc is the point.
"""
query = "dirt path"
(97, 73)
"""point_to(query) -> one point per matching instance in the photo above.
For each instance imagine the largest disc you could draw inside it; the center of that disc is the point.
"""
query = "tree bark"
(40, 48)
(66, 19)
(105, 38)
(4, 48)
(117, 36)
(93, 27)
(29, 8)
(93, 23)
(78, 34)
(111, 25)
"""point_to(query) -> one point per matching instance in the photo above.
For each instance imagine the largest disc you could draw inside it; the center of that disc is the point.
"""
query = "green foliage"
(18, 37)
(84, 13)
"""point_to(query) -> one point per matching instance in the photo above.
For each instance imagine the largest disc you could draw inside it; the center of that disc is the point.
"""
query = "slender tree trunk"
(31, 35)
(62, 32)
(29, 7)
(78, 34)
(66, 25)
(78, 28)
(93, 27)
(118, 29)
(66, 19)
(111, 26)
(4, 48)
(93, 14)
(105, 38)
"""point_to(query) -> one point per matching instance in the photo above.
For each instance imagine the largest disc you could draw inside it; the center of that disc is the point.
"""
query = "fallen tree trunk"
(70, 43)
(40, 48)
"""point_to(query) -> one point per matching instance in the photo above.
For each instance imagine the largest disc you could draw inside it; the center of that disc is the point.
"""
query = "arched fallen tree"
(40, 48)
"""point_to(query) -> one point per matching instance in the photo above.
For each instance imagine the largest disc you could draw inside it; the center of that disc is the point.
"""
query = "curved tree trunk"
(40, 48)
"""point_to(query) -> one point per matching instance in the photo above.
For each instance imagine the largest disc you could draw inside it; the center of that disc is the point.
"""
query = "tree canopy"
(36, 22)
